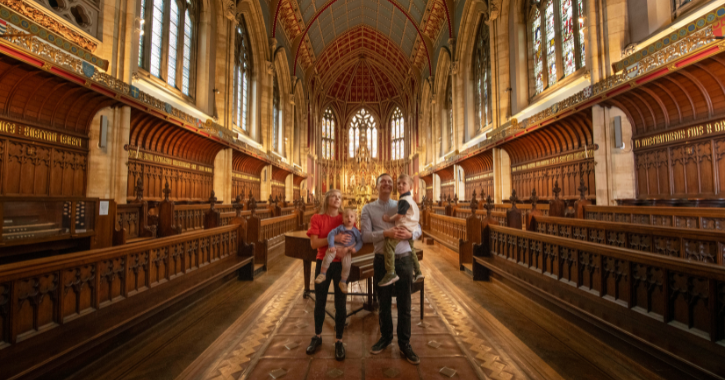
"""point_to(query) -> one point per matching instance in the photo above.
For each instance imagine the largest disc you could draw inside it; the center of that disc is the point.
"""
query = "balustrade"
(681, 217)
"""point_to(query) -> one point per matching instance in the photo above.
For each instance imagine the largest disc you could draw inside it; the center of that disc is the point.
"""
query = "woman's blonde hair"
(326, 201)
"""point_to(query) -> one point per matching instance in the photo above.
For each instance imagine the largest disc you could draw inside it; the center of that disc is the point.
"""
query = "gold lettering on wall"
(585, 154)
(10, 128)
(682, 134)
(144, 156)
(244, 176)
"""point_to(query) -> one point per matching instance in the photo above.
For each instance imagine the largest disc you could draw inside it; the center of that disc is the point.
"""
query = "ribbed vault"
(569, 134)
(36, 97)
(157, 135)
(694, 93)
(247, 164)
(482, 162)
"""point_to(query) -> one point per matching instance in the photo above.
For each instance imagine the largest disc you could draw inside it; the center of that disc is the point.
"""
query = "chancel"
(362, 189)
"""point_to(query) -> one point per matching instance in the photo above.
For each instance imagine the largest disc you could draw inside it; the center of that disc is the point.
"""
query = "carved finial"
(238, 204)
(455, 199)
(534, 199)
(270, 200)
(139, 189)
(212, 199)
(474, 203)
(513, 198)
(250, 193)
(488, 206)
(252, 204)
(556, 190)
(582, 188)
(166, 191)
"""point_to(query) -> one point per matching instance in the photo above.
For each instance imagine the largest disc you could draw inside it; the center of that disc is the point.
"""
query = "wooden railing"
(306, 217)
(667, 302)
(191, 217)
(268, 237)
(53, 291)
(287, 211)
(132, 222)
(681, 217)
(699, 245)
(448, 229)
(439, 210)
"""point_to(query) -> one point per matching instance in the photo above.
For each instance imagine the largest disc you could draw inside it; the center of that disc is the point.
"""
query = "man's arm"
(401, 233)
(366, 226)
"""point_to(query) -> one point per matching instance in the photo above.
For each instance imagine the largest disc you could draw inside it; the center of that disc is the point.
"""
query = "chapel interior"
(161, 163)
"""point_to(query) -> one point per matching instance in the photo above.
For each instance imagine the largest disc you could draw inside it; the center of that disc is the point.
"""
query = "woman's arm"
(317, 242)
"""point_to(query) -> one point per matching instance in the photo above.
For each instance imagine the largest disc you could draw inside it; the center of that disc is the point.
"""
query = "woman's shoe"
(315, 343)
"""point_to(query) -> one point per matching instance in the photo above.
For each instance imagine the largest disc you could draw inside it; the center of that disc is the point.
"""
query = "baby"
(340, 251)
(408, 217)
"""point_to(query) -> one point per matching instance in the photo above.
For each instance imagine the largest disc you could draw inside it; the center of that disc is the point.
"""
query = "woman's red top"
(321, 225)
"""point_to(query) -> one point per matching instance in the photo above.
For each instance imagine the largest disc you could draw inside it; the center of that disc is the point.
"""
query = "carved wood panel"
(567, 175)
(482, 186)
(242, 186)
(184, 184)
(41, 170)
(687, 170)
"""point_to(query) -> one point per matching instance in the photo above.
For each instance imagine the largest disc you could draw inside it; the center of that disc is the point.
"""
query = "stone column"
(265, 183)
(614, 167)
(289, 188)
(107, 167)
(223, 176)
(436, 187)
(501, 175)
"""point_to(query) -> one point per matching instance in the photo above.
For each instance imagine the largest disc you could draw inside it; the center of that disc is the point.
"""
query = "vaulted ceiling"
(391, 35)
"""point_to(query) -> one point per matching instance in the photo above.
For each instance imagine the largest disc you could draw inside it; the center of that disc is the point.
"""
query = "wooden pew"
(133, 223)
(656, 302)
(62, 308)
(707, 246)
(452, 233)
(706, 218)
(267, 235)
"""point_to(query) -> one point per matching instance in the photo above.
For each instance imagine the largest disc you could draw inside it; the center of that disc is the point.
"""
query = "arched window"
(328, 135)
(276, 114)
(363, 130)
(397, 133)
(482, 76)
(242, 77)
(166, 44)
(563, 54)
(449, 111)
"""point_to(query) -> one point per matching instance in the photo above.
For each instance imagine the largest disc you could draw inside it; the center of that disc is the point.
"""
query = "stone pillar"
(223, 176)
(436, 187)
(614, 167)
(107, 167)
(289, 188)
(501, 175)
(265, 187)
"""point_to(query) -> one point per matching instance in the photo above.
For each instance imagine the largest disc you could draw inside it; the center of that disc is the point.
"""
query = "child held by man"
(407, 216)
(343, 252)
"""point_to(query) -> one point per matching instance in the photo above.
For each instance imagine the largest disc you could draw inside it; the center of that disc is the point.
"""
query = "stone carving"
(230, 10)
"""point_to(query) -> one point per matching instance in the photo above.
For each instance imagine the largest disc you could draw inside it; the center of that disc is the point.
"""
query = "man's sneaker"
(339, 351)
(418, 277)
(407, 351)
(380, 346)
(314, 344)
(343, 287)
(320, 278)
(388, 279)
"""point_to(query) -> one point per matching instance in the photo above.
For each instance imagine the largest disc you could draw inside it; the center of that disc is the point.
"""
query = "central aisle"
(481, 330)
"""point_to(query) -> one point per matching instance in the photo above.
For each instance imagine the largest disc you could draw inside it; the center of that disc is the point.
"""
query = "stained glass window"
(550, 43)
(328, 134)
(545, 46)
(582, 51)
(275, 114)
(242, 76)
(172, 24)
(363, 125)
(397, 126)
(449, 110)
(482, 76)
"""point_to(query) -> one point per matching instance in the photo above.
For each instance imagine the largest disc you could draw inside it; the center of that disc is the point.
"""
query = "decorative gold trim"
(47, 66)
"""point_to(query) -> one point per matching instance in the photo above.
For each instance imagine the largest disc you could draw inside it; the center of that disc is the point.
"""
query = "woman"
(321, 224)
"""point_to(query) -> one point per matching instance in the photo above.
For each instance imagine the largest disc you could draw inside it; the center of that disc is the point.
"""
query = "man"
(375, 230)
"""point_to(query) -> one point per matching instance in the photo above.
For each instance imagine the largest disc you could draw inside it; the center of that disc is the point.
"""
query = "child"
(344, 252)
(408, 217)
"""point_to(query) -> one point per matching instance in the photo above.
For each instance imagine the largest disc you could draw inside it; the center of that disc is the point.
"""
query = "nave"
(481, 330)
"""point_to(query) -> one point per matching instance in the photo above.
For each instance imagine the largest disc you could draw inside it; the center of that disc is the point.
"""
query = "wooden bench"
(452, 233)
(133, 223)
(707, 246)
(62, 308)
(659, 303)
(267, 235)
(706, 218)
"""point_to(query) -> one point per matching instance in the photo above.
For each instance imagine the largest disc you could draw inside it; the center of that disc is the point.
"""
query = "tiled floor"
(431, 339)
